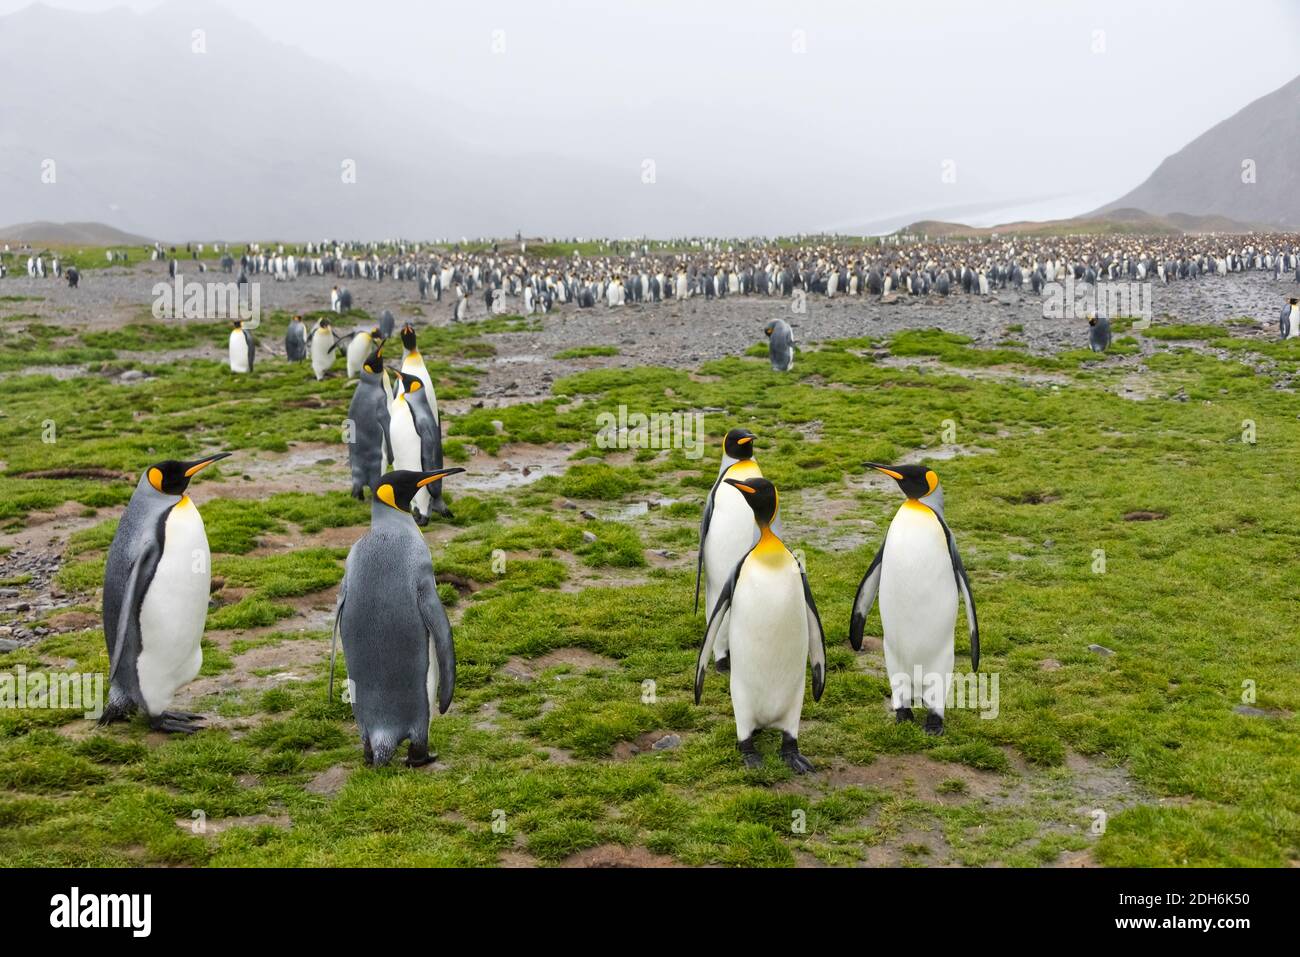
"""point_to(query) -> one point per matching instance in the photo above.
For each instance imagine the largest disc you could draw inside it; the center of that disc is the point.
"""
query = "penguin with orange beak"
(919, 576)
(767, 610)
(156, 584)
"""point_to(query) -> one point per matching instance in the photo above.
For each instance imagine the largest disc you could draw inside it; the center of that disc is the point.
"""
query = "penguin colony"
(762, 627)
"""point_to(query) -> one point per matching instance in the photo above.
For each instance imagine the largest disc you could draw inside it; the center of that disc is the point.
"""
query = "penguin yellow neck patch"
(385, 495)
(745, 468)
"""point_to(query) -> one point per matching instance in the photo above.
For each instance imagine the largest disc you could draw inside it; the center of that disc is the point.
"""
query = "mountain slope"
(1204, 178)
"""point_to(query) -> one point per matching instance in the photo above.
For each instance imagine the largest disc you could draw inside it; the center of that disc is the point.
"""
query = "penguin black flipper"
(816, 641)
(704, 530)
(127, 634)
(720, 613)
(338, 617)
(439, 628)
(866, 597)
(963, 586)
(248, 338)
(1284, 324)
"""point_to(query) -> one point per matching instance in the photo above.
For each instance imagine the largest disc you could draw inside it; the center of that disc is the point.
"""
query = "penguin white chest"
(731, 534)
(1294, 331)
(238, 351)
(174, 609)
(404, 436)
(918, 592)
(358, 350)
(768, 635)
(321, 357)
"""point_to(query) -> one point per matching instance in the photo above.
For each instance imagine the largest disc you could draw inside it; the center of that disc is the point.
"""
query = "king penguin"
(768, 608)
(918, 574)
(396, 637)
(416, 440)
(413, 363)
(295, 340)
(727, 529)
(322, 349)
(241, 348)
(370, 451)
(1289, 324)
(780, 345)
(359, 348)
(1098, 333)
(156, 584)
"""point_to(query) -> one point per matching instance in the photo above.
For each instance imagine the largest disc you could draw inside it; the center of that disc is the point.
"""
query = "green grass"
(1196, 606)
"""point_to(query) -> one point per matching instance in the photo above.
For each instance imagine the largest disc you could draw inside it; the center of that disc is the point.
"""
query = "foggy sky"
(713, 91)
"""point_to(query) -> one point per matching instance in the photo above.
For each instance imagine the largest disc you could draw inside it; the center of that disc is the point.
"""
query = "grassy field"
(1159, 530)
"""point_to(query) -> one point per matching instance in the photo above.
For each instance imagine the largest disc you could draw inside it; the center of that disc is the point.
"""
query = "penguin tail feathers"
(383, 748)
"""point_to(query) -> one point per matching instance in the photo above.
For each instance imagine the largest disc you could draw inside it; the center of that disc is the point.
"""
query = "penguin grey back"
(780, 345)
(370, 444)
(135, 551)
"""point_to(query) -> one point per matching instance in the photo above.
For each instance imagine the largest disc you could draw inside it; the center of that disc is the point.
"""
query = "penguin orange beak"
(736, 483)
(896, 476)
(744, 440)
(434, 476)
(200, 465)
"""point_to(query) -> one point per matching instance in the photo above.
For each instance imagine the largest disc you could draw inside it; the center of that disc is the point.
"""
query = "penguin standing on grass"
(360, 345)
(774, 627)
(1289, 323)
(780, 345)
(918, 575)
(396, 636)
(727, 529)
(1098, 333)
(242, 348)
(416, 440)
(370, 450)
(295, 340)
(323, 344)
(156, 584)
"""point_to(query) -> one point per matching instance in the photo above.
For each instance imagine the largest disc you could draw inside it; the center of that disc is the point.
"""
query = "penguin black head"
(408, 337)
(767, 329)
(173, 477)
(396, 489)
(1294, 301)
(739, 444)
(761, 496)
(411, 383)
(325, 324)
(375, 361)
(916, 481)
(1092, 320)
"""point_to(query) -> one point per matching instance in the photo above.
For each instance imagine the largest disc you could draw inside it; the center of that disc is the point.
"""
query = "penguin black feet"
(421, 518)
(176, 722)
(358, 493)
(934, 724)
(722, 665)
(795, 761)
(903, 715)
(749, 754)
(418, 755)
